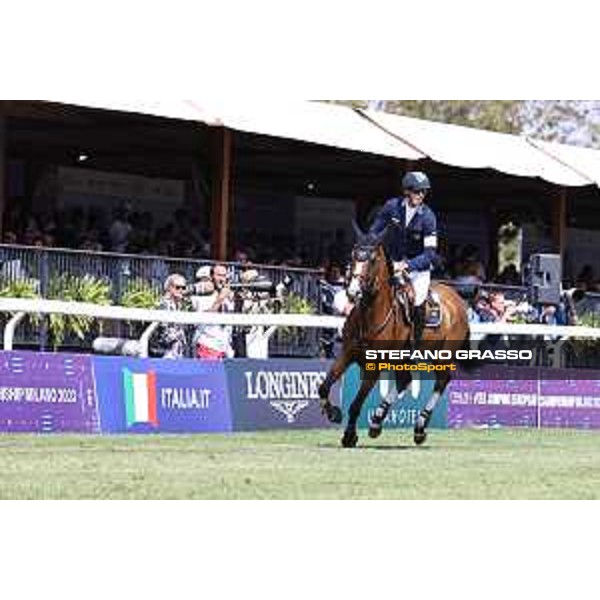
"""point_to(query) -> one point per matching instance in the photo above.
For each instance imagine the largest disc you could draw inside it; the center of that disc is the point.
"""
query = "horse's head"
(367, 260)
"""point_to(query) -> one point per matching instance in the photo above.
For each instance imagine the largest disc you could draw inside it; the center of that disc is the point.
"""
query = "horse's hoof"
(376, 421)
(334, 414)
(375, 431)
(420, 437)
(350, 439)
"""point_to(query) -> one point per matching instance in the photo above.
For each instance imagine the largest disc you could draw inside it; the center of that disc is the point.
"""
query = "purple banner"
(522, 398)
(44, 393)
(493, 402)
(570, 402)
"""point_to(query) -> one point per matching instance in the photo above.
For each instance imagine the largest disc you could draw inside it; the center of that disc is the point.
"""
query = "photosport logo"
(140, 398)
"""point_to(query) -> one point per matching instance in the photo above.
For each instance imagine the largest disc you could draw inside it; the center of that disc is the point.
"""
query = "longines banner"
(277, 393)
(45, 393)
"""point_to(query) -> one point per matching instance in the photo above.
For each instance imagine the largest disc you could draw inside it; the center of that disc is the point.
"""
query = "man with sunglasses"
(171, 338)
(411, 242)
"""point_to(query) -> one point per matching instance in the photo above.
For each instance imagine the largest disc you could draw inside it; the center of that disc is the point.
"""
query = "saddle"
(432, 304)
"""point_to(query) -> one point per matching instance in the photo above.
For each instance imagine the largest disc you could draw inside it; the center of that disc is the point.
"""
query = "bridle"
(361, 287)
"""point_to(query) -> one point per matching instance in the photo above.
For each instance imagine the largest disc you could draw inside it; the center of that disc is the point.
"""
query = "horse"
(382, 313)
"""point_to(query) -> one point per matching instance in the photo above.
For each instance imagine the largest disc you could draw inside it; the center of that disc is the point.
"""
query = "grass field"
(304, 465)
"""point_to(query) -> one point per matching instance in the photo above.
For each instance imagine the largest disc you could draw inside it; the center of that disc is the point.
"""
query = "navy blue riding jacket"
(416, 243)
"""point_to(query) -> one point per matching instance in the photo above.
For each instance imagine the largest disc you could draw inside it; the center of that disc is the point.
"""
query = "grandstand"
(128, 192)
(101, 202)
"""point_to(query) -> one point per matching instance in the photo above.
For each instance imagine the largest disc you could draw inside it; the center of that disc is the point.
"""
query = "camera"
(259, 286)
(261, 294)
(264, 286)
(200, 288)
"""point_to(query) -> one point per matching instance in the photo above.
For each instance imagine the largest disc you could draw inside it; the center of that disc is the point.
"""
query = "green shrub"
(298, 305)
(25, 289)
(70, 288)
(138, 293)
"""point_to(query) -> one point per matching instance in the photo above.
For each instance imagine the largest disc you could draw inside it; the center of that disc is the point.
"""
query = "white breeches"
(421, 281)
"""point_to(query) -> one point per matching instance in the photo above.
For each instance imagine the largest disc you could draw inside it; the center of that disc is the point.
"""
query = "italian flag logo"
(140, 397)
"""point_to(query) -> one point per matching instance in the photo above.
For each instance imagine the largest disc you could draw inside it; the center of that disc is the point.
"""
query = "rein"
(393, 310)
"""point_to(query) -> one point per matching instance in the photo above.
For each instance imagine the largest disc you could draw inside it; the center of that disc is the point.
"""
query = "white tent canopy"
(477, 148)
(380, 134)
(316, 122)
(584, 160)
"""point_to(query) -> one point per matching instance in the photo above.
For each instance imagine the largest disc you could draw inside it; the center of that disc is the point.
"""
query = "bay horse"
(382, 313)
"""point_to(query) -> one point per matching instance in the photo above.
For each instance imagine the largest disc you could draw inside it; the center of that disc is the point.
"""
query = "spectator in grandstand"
(551, 314)
(586, 280)
(469, 264)
(496, 309)
(119, 231)
(72, 226)
(142, 233)
(48, 240)
(241, 256)
(212, 294)
(339, 250)
(91, 241)
(9, 237)
(170, 338)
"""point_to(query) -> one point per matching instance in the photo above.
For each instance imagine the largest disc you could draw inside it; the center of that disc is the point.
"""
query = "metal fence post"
(44, 289)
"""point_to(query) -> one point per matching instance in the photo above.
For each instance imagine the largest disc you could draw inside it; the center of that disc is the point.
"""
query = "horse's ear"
(378, 238)
(357, 230)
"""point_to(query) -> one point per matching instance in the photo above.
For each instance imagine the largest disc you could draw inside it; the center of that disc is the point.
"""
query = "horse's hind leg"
(422, 422)
(332, 412)
(395, 391)
(350, 437)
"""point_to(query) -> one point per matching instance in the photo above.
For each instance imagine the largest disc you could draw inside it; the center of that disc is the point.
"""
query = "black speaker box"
(543, 276)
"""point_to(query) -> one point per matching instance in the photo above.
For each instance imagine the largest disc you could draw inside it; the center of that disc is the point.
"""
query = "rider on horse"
(412, 247)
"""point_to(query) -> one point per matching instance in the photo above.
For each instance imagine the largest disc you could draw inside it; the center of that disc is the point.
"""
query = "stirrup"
(433, 310)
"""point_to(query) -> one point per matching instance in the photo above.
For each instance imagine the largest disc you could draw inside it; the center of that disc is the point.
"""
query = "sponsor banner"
(152, 396)
(502, 397)
(404, 412)
(521, 397)
(572, 401)
(278, 393)
(45, 393)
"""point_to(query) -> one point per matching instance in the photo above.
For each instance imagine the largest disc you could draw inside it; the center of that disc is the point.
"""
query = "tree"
(568, 121)
(497, 115)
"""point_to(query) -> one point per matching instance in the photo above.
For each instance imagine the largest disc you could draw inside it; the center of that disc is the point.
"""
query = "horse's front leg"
(350, 437)
(332, 412)
(422, 422)
(395, 391)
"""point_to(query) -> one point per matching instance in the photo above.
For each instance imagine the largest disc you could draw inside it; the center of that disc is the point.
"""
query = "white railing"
(22, 307)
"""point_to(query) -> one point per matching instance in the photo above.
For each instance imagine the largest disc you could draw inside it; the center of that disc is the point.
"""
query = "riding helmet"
(416, 180)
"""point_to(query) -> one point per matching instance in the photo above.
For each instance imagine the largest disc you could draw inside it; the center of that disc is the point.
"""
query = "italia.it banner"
(152, 396)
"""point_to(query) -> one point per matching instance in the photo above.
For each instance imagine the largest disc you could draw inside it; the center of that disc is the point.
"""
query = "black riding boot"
(419, 323)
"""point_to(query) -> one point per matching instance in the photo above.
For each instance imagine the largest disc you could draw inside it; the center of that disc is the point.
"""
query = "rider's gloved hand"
(400, 272)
